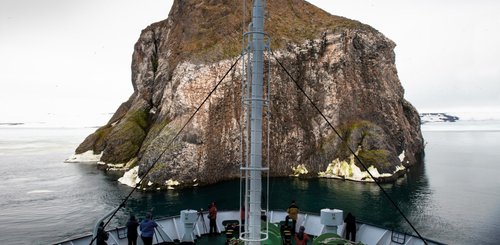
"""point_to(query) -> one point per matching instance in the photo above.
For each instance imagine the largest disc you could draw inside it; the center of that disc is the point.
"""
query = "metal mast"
(254, 102)
(257, 48)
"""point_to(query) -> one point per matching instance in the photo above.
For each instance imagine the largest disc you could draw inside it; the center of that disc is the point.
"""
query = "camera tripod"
(201, 216)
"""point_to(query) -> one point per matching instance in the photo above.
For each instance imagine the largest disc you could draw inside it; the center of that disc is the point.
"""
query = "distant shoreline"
(11, 124)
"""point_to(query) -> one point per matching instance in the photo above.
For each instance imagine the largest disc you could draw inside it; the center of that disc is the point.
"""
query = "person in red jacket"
(212, 215)
(301, 238)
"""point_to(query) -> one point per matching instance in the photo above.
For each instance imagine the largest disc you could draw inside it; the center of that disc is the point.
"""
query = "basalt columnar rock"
(346, 67)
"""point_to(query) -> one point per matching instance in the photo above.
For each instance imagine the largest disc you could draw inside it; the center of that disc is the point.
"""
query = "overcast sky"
(73, 56)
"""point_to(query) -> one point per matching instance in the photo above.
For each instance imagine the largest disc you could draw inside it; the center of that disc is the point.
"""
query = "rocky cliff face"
(348, 69)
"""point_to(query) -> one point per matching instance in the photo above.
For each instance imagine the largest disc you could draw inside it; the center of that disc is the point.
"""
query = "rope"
(168, 145)
(343, 140)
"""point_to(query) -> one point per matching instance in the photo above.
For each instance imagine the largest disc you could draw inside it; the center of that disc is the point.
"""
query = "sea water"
(453, 197)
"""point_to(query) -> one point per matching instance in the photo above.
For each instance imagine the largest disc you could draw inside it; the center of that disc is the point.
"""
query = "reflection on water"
(364, 199)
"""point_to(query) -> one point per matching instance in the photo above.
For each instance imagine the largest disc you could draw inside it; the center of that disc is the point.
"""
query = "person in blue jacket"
(147, 228)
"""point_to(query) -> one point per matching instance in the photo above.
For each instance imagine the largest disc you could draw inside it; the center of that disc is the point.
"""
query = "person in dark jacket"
(147, 227)
(242, 216)
(350, 221)
(293, 213)
(285, 231)
(102, 235)
(132, 225)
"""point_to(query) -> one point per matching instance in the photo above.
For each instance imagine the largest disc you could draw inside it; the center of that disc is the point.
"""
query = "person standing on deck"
(350, 221)
(132, 225)
(293, 212)
(148, 229)
(212, 215)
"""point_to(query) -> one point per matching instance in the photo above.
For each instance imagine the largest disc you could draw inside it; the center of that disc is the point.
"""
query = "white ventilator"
(188, 218)
(331, 219)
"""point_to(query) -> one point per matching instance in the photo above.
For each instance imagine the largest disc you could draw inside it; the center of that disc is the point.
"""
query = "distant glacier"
(437, 117)
(460, 121)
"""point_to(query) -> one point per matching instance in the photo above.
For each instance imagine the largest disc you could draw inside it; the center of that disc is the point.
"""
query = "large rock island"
(348, 68)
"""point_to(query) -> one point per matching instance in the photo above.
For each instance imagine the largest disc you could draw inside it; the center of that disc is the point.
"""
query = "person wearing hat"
(293, 212)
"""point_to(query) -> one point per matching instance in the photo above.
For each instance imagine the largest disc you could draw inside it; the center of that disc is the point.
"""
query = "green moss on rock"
(378, 158)
(371, 140)
(211, 30)
(154, 130)
(126, 138)
(354, 133)
(95, 142)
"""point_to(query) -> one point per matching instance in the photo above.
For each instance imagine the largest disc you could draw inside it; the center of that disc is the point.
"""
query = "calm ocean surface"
(454, 197)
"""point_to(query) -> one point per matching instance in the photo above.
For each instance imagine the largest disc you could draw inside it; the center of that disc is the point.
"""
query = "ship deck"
(170, 230)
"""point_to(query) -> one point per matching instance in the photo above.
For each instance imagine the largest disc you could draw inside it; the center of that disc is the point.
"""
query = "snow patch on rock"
(348, 170)
(86, 157)
(130, 177)
(299, 170)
